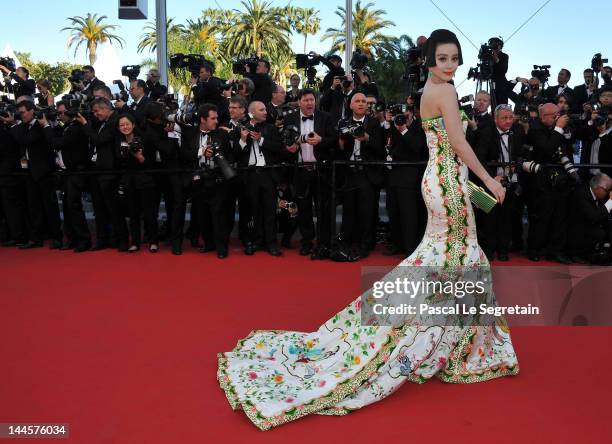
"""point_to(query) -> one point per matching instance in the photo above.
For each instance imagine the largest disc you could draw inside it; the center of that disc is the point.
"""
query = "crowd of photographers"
(249, 147)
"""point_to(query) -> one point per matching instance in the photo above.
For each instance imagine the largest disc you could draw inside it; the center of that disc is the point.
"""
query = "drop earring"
(429, 74)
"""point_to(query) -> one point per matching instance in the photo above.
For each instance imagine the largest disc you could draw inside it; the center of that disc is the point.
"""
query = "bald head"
(548, 114)
(258, 111)
(359, 105)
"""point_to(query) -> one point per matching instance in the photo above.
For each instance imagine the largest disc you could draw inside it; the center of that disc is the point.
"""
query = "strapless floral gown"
(278, 376)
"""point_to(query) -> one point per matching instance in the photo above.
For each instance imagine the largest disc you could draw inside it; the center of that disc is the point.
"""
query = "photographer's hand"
(80, 119)
(255, 135)
(244, 133)
(282, 204)
(388, 116)
(472, 124)
(8, 120)
(562, 121)
(169, 127)
(364, 138)
(139, 156)
(314, 140)
(208, 152)
(292, 148)
(5, 69)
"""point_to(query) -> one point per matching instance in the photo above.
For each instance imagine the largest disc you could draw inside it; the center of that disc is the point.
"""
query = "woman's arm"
(449, 109)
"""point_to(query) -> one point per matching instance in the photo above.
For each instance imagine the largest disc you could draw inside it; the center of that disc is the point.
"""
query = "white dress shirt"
(307, 150)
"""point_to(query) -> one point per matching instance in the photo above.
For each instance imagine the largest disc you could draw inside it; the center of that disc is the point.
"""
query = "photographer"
(360, 139)
(24, 86)
(155, 89)
(292, 94)
(36, 158)
(210, 187)
(597, 133)
(72, 145)
(274, 107)
(590, 226)
(563, 78)
(264, 85)
(547, 202)
(481, 118)
(337, 99)
(503, 142)
(44, 97)
(334, 66)
(531, 93)
(11, 185)
(208, 88)
(164, 140)
(405, 143)
(245, 88)
(134, 156)
(138, 92)
(103, 147)
(583, 93)
(90, 81)
(260, 147)
(237, 192)
(317, 139)
(365, 84)
(500, 68)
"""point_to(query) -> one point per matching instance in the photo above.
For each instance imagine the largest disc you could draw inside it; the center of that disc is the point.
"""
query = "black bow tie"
(356, 121)
(204, 133)
(506, 133)
(305, 118)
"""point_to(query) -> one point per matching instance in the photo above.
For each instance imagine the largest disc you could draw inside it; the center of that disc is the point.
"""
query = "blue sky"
(563, 34)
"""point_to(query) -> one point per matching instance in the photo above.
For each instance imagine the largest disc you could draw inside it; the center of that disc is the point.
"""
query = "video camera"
(541, 73)
(239, 66)
(308, 62)
(7, 107)
(191, 62)
(9, 63)
(122, 94)
(130, 71)
(413, 63)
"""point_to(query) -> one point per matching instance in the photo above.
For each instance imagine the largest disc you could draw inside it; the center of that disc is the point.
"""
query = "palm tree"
(259, 29)
(91, 31)
(367, 26)
(282, 65)
(307, 22)
(149, 38)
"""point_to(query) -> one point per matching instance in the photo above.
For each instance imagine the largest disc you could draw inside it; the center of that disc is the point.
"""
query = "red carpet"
(123, 348)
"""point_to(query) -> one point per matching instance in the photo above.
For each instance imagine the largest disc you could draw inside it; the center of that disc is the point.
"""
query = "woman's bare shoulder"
(432, 97)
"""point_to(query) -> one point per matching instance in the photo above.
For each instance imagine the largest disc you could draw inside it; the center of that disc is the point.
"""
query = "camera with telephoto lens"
(130, 71)
(568, 166)
(603, 114)
(191, 62)
(282, 111)
(398, 112)
(597, 62)
(308, 62)
(348, 129)
(525, 163)
(8, 63)
(181, 117)
(290, 135)
(130, 148)
(49, 112)
(221, 162)
(359, 60)
(239, 66)
(541, 72)
(77, 76)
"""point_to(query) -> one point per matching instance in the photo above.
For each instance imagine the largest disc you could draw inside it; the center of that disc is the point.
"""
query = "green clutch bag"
(480, 198)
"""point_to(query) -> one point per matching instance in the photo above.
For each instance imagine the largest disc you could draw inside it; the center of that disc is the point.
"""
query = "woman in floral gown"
(278, 376)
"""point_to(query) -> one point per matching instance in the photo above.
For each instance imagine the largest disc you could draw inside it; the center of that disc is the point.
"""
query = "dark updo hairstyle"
(440, 37)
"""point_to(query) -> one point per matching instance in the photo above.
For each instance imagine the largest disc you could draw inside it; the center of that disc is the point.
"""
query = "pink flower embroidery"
(289, 400)
(322, 383)
(252, 375)
(418, 262)
(442, 361)
(358, 305)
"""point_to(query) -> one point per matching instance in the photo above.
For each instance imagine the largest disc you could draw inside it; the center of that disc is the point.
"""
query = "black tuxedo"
(360, 186)
(499, 77)
(23, 87)
(553, 91)
(11, 196)
(504, 223)
(547, 199)
(208, 91)
(334, 101)
(104, 148)
(72, 143)
(137, 110)
(581, 96)
(588, 224)
(264, 85)
(90, 86)
(40, 183)
(156, 90)
(210, 189)
(261, 184)
(306, 183)
(404, 199)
